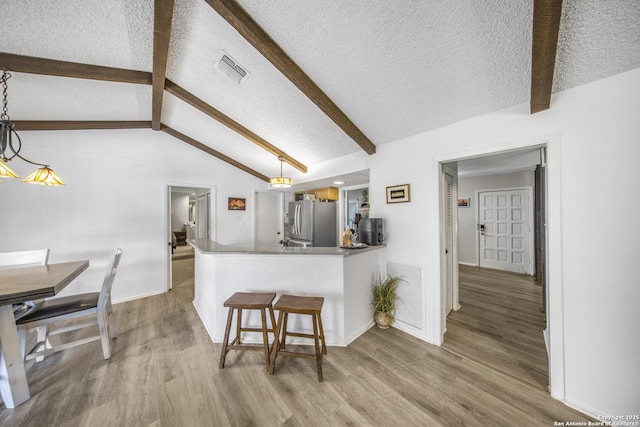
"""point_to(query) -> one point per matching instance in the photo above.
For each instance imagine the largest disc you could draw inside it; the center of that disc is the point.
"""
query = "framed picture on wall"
(398, 194)
(464, 202)
(237, 204)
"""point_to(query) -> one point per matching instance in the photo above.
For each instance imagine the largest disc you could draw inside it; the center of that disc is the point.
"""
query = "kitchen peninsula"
(341, 276)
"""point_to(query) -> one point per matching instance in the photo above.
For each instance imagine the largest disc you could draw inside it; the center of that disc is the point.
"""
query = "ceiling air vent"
(229, 67)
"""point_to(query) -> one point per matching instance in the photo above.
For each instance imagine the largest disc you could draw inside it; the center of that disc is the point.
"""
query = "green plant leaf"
(384, 294)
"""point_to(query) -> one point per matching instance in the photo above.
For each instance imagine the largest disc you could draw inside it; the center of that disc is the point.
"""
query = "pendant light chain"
(5, 76)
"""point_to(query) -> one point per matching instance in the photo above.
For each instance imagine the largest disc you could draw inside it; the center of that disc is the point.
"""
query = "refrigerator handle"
(298, 228)
(292, 224)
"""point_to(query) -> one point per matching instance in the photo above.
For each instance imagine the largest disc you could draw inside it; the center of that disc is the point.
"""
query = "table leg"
(13, 378)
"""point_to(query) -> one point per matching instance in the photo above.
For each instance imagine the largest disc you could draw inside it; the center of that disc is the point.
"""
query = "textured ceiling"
(597, 39)
(399, 68)
(394, 68)
(115, 33)
(500, 163)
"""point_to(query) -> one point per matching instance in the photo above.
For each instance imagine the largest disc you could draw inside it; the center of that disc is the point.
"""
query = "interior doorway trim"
(167, 185)
(555, 311)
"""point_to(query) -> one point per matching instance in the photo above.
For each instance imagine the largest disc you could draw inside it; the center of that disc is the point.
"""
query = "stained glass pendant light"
(280, 181)
(9, 150)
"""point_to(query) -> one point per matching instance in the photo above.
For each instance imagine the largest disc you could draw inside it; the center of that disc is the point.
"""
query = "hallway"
(500, 324)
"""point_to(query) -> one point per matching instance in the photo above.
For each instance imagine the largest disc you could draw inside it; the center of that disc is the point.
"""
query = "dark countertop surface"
(210, 246)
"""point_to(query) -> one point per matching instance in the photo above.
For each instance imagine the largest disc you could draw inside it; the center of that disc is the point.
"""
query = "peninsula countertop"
(341, 276)
(213, 247)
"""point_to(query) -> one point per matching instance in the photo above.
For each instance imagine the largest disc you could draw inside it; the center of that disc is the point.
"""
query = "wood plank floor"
(164, 373)
(500, 324)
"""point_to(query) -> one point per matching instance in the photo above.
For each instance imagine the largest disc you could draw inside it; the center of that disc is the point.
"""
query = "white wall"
(179, 210)
(467, 187)
(593, 134)
(115, 196)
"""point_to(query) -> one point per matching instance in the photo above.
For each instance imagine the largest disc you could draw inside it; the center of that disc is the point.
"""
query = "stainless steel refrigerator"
(313, 224)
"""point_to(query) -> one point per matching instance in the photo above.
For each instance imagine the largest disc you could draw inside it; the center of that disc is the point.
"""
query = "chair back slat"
(24, 258)
(109, 278)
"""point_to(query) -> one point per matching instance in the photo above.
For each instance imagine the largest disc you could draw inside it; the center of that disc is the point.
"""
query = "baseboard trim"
(470, 264)
(150, 294)
(348, 340)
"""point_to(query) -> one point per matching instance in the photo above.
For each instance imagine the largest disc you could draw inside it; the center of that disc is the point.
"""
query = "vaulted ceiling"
(333, 77)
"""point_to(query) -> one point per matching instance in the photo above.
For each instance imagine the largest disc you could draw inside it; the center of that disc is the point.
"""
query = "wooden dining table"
(18, 285)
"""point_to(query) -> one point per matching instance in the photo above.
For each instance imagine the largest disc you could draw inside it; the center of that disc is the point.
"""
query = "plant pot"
(382, 320)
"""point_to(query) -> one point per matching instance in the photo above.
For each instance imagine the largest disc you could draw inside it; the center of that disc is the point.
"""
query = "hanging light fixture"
(280, 181)
(42, 176)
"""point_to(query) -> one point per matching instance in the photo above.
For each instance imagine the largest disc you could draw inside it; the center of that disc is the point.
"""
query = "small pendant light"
(280, 181)
(42, 176)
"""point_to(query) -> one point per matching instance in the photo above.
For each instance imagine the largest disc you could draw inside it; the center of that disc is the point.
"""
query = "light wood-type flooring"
(182, 252)
(500, 324)
(164, 372)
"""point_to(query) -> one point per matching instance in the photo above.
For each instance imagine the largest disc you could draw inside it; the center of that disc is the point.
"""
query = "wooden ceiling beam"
(34, 125)
(196, 102)
(546, 26)
(52, 67)
(211, 151)
(239, 19)
(32, 65)
(25, 125)
(162, 17)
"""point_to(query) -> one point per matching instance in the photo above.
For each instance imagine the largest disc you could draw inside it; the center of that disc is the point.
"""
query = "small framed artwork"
(464, 203)
(237, 204)
(398, 194)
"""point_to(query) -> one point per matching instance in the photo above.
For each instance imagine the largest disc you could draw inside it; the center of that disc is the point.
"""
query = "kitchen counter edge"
(207, 246)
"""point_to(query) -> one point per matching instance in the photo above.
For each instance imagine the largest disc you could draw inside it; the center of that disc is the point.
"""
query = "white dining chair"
(95, 304)
(24, 258)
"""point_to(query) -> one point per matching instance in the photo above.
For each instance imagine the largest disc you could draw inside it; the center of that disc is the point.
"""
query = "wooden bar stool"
(299, 305)
(248, 301)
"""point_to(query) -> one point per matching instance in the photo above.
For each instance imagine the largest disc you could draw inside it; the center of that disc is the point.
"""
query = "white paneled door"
(505, 230)
(269, 218)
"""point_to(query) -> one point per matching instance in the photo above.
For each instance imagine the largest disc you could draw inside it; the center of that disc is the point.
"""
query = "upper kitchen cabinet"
(325, 193)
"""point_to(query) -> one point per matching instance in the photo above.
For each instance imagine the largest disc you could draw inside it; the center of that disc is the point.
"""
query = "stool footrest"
(300, 335)
(255, 330)
(253, 347)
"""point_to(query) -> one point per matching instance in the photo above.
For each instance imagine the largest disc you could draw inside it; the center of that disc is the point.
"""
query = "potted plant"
(384, 299)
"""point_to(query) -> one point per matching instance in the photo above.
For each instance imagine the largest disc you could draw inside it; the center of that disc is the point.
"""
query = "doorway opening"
(355, 206)
(189, 218)
(492, 315)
